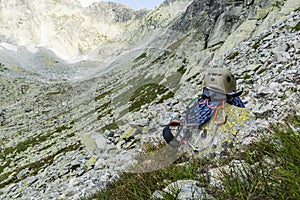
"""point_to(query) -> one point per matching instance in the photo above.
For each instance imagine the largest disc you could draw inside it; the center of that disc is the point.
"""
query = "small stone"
(129, 133)
(262, 91)
(75, 164)
(30, 180)
(100, 164)
(188, 189)
(129, 145)
(91, 163)
(248, 141)
(140, 122)
(282, 56)
(253, 67)
(167, 117)
(263, 110)
(80, 173)
(157, 195)
(108, 133)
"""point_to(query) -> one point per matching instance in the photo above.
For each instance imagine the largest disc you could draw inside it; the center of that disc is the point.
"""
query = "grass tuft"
(145, 94)
(297, 27)
(232, 55)
(257, 43)
(140, 57)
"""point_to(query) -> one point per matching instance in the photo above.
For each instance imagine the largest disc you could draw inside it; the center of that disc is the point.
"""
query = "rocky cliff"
(68, 127)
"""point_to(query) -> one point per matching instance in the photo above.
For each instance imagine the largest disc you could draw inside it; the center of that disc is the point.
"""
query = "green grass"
(169, 95)
(247, 76)
(103, 110)
(103, 95)
(232, 55)
(140, 57)
(104, 113)
(173, 81)
(297, 27)
(270, 169)
(193, 77)
(22, 146)
(257, 43)
(111, 126)
(145, 94)
(135, 85)
(182, 69)
(2, 67)
(162, 57)
(177, 44)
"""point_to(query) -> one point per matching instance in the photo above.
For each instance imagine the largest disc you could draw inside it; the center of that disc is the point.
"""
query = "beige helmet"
(220, 79)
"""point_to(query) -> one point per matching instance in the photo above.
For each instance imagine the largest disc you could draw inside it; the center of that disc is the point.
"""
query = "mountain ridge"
(63, 27)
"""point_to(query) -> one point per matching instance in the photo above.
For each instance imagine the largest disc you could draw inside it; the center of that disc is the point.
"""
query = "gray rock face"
(208, 10)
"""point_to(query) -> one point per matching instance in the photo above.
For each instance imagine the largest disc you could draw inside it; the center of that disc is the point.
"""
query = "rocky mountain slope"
(67, 128)
(64, 27)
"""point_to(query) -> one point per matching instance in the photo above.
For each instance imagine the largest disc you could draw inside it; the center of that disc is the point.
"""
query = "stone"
(140, 122)
(100, 141)
(91, 163)
(129, 133)
(108, 133)
(298, 111)
(129, 144)
(157, 195)
(167, 117)
(120, 143)
(282, 56)
(188, 189)
(263, 91)
(191, 191)
(100, 164)
(253, 67)
(249, 140)
(89, 142)
(64, 171)
(80, 173)
(2, 118)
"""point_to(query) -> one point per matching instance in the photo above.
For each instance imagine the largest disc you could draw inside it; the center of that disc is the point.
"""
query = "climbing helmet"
(219, 79)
